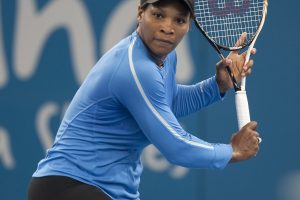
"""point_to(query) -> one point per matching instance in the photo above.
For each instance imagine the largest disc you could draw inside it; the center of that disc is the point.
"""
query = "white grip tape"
(242, 108)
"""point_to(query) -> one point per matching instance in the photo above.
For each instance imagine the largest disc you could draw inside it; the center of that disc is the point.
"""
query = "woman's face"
(162, 26)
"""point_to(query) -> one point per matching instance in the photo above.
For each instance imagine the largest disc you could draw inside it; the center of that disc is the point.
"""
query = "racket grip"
(242, 108)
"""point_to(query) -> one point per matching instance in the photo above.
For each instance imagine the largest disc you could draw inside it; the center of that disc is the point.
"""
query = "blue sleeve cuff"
(216, 87)
(223, 154)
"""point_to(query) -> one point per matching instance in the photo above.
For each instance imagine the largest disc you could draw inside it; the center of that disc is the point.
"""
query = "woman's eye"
(181, 21)
(157, 15)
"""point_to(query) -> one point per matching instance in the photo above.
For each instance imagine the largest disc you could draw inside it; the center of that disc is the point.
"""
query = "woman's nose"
(167, 27)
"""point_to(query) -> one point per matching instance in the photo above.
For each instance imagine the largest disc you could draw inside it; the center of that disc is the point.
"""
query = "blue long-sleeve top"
(126, 103)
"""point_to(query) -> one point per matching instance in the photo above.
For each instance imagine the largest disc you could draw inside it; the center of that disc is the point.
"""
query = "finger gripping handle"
(242, 108)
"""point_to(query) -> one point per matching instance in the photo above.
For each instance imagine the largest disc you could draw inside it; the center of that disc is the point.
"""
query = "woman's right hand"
(245, 143)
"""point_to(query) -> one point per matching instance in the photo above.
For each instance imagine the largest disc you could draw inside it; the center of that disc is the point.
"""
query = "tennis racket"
(222, 22)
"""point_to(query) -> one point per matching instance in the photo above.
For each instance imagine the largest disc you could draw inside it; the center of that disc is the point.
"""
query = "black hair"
(145, 5)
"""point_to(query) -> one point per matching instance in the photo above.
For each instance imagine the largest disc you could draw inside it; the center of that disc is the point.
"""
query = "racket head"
(223, 21)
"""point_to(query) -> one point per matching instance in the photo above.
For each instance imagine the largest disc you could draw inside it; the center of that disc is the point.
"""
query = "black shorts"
(63, 188)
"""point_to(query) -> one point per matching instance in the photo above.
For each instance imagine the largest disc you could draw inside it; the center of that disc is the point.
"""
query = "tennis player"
(130, 99)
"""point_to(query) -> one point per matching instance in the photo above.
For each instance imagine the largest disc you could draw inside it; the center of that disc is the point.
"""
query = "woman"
(129, 100)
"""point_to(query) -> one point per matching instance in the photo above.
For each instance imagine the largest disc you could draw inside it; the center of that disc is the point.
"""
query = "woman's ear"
(140, 13)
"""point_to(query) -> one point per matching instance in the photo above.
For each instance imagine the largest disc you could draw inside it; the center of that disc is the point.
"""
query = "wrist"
(222, 88)
(234, 157)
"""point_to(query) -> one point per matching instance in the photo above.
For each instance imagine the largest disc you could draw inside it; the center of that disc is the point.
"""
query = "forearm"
(216, 157)
(190, 99)
(178, 146)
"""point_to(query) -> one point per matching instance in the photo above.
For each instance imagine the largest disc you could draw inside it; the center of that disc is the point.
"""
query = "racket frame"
(219, 47)
(241, 99)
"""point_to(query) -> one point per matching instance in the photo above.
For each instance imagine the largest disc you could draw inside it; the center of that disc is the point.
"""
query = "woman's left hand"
(236, 63)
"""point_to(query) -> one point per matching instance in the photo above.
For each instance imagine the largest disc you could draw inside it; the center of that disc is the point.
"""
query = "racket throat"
(234, 82)
(231, 75)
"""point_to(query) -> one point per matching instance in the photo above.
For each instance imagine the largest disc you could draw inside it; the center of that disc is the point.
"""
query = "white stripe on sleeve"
(155, 112)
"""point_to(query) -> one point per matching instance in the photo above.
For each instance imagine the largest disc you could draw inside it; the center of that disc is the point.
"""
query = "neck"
(159, 60)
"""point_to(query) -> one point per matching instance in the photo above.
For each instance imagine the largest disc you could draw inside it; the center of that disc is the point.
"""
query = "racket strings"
(225, 20)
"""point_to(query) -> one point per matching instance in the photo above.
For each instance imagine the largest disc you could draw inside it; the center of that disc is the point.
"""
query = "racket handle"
(242, 108)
